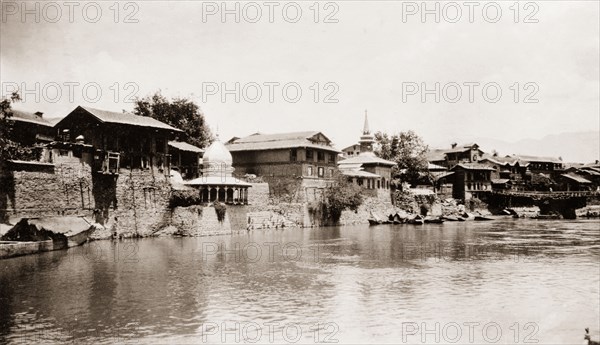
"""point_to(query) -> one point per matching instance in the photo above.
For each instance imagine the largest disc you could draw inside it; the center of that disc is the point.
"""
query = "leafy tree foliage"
(341, 195)
(10, 148)
(180, 113)
(408, 150)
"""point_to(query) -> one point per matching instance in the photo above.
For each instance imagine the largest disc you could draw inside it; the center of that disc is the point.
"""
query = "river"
(505, 281)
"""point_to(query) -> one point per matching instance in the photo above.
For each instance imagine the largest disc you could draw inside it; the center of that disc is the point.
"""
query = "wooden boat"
(480, 217)
(417, 220)
(453, 218)
(396, 218)
(433, 220)
(547, 216)
(43, 237)
(373, 221)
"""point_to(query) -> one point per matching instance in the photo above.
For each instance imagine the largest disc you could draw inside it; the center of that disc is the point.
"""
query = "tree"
(9, 148)
(340, 196)
(408, 150)
(180, 113)
(383, 146)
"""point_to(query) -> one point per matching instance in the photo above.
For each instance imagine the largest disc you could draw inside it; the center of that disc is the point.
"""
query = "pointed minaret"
(366, 125)
(367, 139)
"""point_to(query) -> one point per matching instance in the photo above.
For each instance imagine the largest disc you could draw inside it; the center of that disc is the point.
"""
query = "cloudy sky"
(359, 55)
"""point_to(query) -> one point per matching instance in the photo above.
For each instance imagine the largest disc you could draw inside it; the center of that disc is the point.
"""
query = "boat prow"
(36, 235)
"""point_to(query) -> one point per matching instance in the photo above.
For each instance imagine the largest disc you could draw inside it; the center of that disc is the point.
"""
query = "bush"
(184, 198)
(220, 210)
(342, 195)
(475, 204)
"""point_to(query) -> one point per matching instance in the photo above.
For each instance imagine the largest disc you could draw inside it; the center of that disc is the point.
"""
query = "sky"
(344, 57)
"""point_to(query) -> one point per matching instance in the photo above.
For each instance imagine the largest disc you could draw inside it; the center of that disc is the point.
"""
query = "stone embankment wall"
(133, 203)
(45, 190)
(371, 205)
(268, 211)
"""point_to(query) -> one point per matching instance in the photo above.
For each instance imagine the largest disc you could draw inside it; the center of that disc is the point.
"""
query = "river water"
(506, 281)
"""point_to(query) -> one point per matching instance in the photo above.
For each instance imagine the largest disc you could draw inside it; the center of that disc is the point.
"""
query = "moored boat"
(416, 220)
(36, 235)
(433, 220)
(373, 221)
(397, 218)
(453, 218)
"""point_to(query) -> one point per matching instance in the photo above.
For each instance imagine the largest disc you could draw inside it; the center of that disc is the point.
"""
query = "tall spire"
(366, 129)
(366, 139)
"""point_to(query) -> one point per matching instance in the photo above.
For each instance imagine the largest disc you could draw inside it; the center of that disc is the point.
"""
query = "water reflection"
(351, 284)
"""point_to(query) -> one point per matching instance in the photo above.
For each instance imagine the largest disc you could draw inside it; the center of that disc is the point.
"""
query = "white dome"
(217, 155)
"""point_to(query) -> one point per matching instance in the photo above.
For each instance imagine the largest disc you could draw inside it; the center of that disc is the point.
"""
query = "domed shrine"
(217, 182)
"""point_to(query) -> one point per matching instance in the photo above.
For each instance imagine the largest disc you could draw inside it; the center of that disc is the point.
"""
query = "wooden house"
(466, 153)
(471, 180)
(120, 140)
(304, 155)
(30, 129)
(186, 158)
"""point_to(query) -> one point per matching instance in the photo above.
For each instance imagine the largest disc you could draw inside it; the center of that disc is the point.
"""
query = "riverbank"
(201, 221)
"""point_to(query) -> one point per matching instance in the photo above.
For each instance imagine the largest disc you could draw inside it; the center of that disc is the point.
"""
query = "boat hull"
(9, 249)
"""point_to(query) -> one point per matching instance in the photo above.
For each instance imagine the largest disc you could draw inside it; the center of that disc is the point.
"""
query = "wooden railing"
(557, 194)
(107, 162)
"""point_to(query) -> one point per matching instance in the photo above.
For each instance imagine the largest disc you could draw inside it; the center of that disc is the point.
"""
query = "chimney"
(454, 145)
(39, 114)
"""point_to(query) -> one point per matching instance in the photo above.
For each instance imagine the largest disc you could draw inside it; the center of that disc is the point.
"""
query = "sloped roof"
(359, 173)
(351, 166)
(23, 116)
(436, 155)
(366, 158)
(431, 166)
(259, 141)
(576, 178)
(183, 146)
(125, 118)
(440, 154)
(500, 180)
(351, 147)
(538, 159)
(590, 170)
(507, 160)
(441, 174)
(472, 166)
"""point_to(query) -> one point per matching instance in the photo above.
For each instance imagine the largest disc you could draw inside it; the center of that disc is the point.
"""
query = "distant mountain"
(582, 147)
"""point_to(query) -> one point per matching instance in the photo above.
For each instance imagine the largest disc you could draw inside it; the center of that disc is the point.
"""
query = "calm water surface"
(507, 281)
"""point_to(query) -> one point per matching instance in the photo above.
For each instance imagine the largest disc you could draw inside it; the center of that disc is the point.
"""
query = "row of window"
(477, 186)
(320, 171)
(381, 184)
(310, 156)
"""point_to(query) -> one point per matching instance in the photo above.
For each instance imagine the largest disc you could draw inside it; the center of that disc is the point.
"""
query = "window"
(309, 155)
(321, 172)
(309, 170)
(320, 156)
(293, 155)
(378, 184)
(330, 173)
(331, 158)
